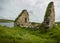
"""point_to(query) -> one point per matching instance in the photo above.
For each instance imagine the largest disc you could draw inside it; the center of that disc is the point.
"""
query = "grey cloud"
(36, 8)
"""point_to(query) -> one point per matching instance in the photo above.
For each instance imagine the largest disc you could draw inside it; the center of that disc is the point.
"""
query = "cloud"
(36, 8)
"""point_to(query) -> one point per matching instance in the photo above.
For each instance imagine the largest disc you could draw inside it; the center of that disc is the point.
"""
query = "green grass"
(5, 20)
(26, 35)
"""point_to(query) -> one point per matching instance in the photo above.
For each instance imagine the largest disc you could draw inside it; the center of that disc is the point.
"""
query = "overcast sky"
(10, 9)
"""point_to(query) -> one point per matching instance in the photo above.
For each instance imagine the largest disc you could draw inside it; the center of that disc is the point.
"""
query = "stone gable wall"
(23, 20)
(49, 19)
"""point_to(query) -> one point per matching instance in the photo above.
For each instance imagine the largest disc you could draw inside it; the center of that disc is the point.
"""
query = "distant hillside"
(6, 20)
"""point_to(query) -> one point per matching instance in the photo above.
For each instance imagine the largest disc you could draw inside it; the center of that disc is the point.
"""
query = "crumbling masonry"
(49, 18)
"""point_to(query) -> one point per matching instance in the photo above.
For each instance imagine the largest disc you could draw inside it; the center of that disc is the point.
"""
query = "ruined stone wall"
(34, 25)
(52, 20)
(49, 18)
(23, 19)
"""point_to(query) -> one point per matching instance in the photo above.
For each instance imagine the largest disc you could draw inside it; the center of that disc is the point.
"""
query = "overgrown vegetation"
(26, 35)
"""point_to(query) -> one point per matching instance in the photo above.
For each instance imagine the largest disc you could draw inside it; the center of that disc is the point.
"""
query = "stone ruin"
(23, 20)
(49, 18)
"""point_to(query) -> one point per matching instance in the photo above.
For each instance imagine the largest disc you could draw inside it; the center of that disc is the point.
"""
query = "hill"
(6, 20)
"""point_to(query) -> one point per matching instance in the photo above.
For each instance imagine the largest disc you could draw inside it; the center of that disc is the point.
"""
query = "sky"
(10, 9)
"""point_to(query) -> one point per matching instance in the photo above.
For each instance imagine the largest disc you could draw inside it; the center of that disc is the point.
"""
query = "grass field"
(26, 35)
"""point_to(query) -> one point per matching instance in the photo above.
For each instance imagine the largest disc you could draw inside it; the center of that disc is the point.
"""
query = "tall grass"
(26, 35)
